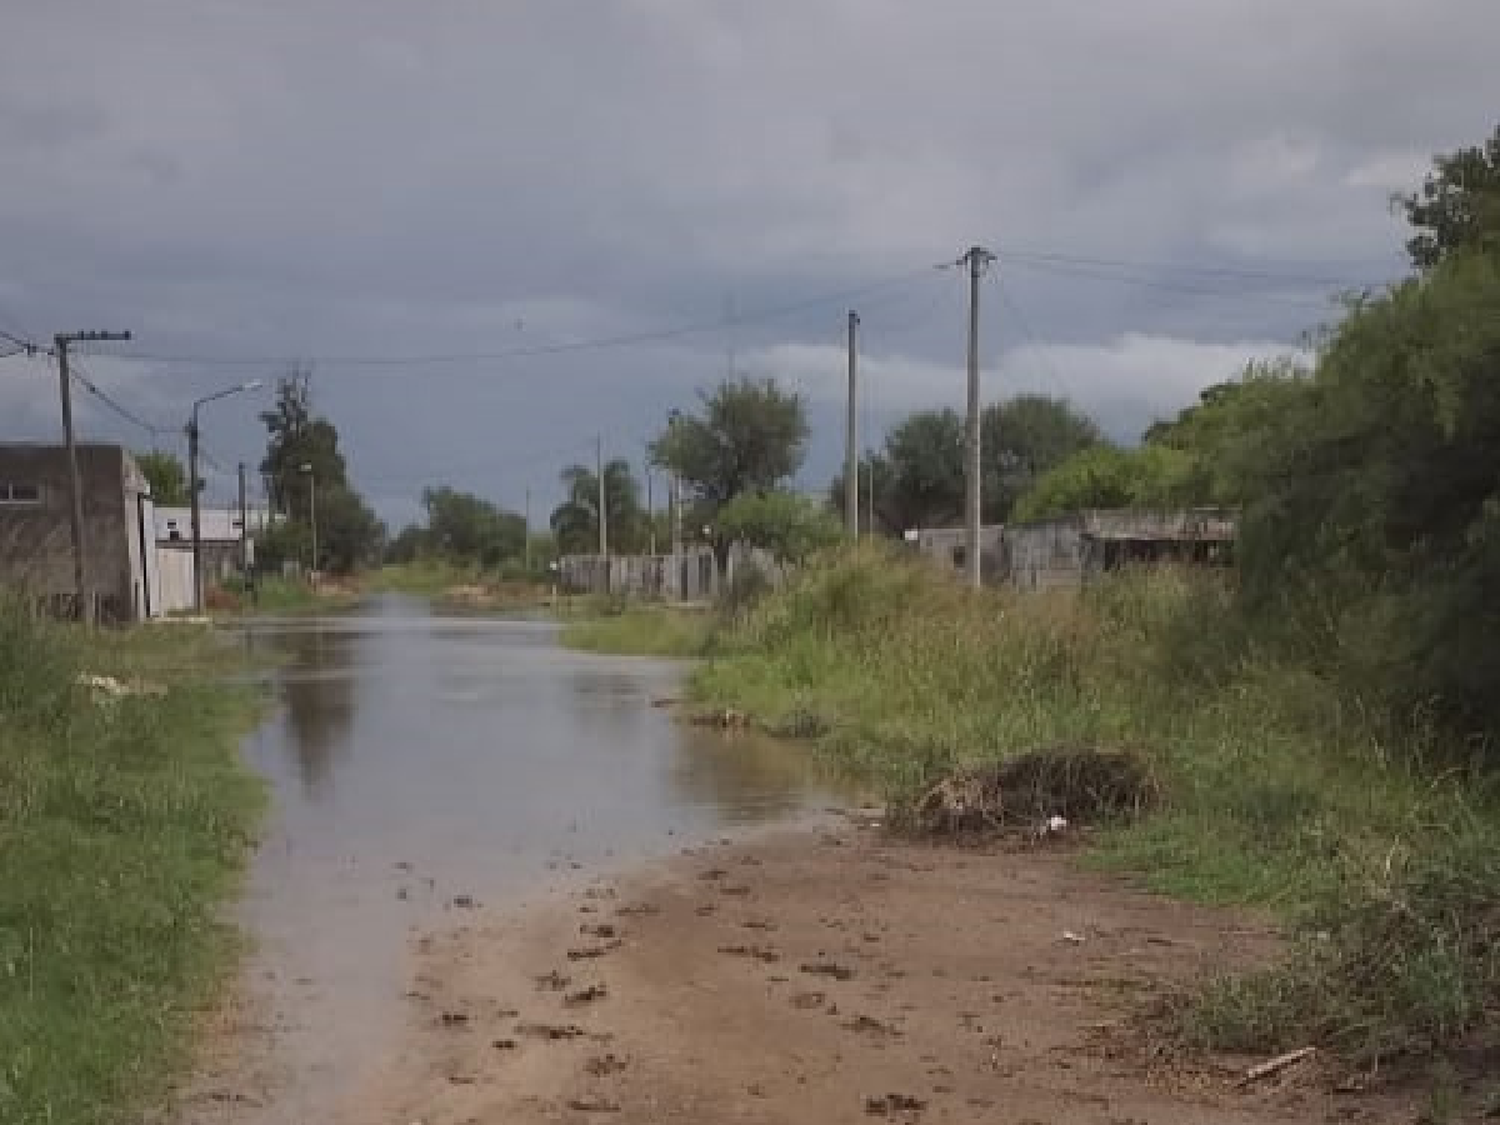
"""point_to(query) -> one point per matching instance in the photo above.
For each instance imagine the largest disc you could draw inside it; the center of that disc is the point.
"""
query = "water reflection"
(468, 756)
(317, 689)
(746, 776)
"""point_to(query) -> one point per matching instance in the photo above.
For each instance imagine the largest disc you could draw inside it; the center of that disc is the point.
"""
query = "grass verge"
(274, 595)
(639, 630)
(124, 825)
(460, 588)
(1277, 790)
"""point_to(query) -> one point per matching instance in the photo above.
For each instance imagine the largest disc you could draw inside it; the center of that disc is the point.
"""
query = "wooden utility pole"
(978, 259)
(84, 610)
(851, 435)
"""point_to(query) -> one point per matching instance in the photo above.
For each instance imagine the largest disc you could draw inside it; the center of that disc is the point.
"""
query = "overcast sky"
(429, 182)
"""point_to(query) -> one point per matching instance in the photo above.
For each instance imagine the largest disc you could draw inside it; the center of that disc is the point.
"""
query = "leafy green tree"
(1458, 206)
(350, 536)
(297, 438)
(791, 527)
(750, 435)
(1104, 476)
(1021, 439)
(920, 475)
(303, 459)
(1222, 435)
(167, 477)
(408, 545)
(1377, 506)
(465, 527)
(575, 522)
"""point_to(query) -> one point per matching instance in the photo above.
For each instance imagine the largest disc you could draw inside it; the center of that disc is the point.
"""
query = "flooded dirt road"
(424, 766)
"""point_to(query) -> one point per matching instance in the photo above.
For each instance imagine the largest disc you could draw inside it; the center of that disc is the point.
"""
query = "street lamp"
(312, 511)
(192, 433)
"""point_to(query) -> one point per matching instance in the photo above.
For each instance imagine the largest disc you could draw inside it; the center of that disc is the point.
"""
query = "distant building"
(36, 545)
(1071, 549)
(221, 536)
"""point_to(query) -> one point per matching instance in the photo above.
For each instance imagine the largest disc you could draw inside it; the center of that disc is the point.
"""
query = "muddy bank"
(836, 976)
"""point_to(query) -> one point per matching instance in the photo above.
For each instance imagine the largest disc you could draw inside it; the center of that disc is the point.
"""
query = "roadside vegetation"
(125, 818)
(274, 595)
(1317, 726)
(605, 625)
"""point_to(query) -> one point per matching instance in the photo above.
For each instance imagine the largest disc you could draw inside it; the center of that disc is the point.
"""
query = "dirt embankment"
(841, 977)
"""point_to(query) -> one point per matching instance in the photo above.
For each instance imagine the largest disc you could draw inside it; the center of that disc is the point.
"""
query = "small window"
(237, 524)
(14, 493)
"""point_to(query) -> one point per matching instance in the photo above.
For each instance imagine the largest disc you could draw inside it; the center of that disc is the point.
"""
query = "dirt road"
(838, 977)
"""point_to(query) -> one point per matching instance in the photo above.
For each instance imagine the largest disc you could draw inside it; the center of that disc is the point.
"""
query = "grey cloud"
(237, 177)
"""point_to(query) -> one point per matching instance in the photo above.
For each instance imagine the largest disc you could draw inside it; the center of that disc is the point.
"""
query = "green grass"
(123, 830)
(640, 631)
(1280, 791)
(460, 587)
(276, 595)
(425, 578)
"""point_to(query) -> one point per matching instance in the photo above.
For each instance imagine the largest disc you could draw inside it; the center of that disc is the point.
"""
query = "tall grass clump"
(123, 825)
(618, 628)
(1278, 784)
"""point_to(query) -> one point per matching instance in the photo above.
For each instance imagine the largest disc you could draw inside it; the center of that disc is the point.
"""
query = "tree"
(1221, 435)
(791, 527)
(349, 534)
(167, 477)
(296, 437)
(751, 435)
(464, 527)
(411, 543)
(920, 477)
(575, 522)
(1104, 476)
(1023, 438)
(302, 457)
(1458, 206)
(1375, 510)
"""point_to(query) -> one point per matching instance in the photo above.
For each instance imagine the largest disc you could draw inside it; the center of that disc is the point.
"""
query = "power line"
(1154, 283)
(81, 376)
(1024, 323)
(629, 339)
(1184, 267)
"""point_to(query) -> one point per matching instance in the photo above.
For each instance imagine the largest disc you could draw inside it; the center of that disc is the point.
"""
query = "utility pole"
(851, 435)
(195, 511)
(650, 506)
(527, 548)
(603, 498)
(64, 340)
(247, 562)
(978, 260)
(244, 524)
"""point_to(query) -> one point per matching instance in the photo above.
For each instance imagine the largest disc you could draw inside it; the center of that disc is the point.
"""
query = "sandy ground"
(830, 977)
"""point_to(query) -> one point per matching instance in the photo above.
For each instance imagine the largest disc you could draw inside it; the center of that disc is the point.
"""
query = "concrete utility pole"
(603, 498)
(650, 505)
(978, 260)
(675, 503)
(244, 524)
(851, 435)
(63, 340)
